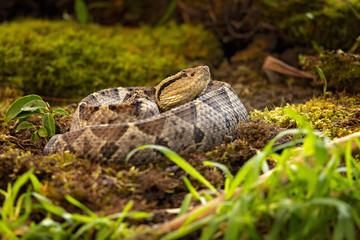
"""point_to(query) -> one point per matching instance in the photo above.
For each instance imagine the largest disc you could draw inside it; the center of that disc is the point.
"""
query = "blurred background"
(235, 22)
(233, 37)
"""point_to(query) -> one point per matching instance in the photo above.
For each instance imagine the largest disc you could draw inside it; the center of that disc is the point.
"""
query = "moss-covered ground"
(42, 57)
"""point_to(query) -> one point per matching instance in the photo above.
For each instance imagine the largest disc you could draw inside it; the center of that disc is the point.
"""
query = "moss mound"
(342, 70)
(327, 23)
(63, 59)
(334, 115)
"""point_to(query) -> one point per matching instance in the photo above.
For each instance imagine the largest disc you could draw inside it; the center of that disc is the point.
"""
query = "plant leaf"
(49, 123)
(16, 106)
(48, 205)
(42, 132)
(78, 204)
(22, 116)
(81, 12)
(34, 136)
(61, 112)
(34, 105)
(173, 156)
(24, 125)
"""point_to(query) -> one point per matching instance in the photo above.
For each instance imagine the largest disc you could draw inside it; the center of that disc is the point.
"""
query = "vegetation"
(16, 216)
(312, 198)
(279, 178)
(296, 201)
(335, 115)
(68, 60)
(29, 105)
(316, 23)
(341, 69)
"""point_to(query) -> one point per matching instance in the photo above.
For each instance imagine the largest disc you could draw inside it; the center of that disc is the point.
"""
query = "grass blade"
(78, 204)
(179, 161)
(193, 191)
(6, 231)
(185, 204)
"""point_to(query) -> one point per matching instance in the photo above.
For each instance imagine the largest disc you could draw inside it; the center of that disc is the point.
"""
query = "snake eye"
(183, 74)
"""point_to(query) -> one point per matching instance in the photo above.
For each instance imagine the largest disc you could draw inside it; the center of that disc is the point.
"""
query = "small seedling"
(29, 105)
(322, 76)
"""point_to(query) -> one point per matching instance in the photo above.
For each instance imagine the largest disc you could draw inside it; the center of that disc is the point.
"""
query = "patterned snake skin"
(109, 123)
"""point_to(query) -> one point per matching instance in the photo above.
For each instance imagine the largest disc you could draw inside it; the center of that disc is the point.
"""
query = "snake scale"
(184, 110)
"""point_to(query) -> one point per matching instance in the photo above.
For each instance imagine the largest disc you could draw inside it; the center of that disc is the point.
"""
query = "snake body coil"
(108, 124)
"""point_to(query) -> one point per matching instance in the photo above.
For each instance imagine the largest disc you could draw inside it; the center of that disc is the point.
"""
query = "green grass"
(299, 200)
(18, 209)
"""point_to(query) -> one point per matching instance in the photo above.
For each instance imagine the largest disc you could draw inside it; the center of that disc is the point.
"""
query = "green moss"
(63, 59)
(342, 70)
(330, 23)
(335, 116)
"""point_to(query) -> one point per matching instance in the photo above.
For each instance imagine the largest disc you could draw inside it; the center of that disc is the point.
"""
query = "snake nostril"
(192, 74)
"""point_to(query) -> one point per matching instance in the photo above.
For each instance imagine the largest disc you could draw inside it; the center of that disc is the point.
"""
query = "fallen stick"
(211, 206)
(276, 65)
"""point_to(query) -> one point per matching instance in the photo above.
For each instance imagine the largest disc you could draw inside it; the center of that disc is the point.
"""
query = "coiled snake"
(184, 110)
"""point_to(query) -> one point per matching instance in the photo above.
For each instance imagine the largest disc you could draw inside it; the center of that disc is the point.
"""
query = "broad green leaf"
(22, 116)
(24, 125)
(49, 123)
(81, 12)
(16, 106)
(42, 132)
(34, 105)
(61, 111)
(34, 136)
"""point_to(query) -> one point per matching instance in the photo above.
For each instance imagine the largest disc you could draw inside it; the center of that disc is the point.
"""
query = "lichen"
(63, 59)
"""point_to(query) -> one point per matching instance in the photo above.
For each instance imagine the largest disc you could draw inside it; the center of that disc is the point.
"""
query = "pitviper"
(185, 110)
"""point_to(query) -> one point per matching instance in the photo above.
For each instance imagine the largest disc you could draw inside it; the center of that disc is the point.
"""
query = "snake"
(184, 111)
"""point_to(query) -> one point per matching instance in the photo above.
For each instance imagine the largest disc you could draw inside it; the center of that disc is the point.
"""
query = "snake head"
(182, 87)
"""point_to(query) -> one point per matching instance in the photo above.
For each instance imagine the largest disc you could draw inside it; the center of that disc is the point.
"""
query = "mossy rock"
(328, 23)
(64, 59)
(341, 70)
(335, 115)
